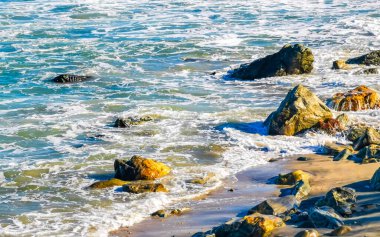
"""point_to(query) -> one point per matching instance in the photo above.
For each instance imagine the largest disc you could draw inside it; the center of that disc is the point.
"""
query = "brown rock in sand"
(360, 98)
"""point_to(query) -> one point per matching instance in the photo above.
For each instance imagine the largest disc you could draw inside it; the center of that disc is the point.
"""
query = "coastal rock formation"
(143, 187)
(292, 177)
(372, 58)
(255, 225)
(375, 180)
(275, 206)
(308, 233)
(370, 137)
(360, 98)
(356, 131)
(291, 59)
(300, 190)
(342, 230)
(131, 121)
(139, 168)
(341, 199)
(299, 111)
(107, 184)
(369, 154)
(324, 217)
(69, 78)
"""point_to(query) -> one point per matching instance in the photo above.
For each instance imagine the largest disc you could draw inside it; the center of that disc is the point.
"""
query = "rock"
(334, 148)
(290, 60)
(308, 233)
(360, 98)
(343, 155)
(342, 230)
(139, 168)
(372, 58)
(303, 158)
(143, 187)
(292, 177)
(340, 64)
(356, 131)
(167, 213)
(299, 111)
(107, 184)
(300, 190)
(370, 137)
(375, 180)
(130, 121)
(275, 206)
(255, 225)
(367, 71)
(343, 120)
(324, 217)
(330, 126)
(69, 78)
(369, 154)
(341, 199)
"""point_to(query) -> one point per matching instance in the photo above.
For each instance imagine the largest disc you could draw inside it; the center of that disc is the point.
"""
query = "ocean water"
(153, 57)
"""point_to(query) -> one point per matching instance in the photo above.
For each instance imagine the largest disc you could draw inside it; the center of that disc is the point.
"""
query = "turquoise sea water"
(152, 57)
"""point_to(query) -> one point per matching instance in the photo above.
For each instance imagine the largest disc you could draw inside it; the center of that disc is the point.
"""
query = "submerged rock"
(143, 187)
(290, 60)
(375, 180)
(69, 78)
(372, 58)
(342, 230)
(299, 111)
(370, 137)
(360, 98)
(255, 225)
(131, 121)
(107, 184)
(324, 217)
(341, 199)
(308, 233)
(367, 71)
(139, 168)
(292, 177)
(275, 206)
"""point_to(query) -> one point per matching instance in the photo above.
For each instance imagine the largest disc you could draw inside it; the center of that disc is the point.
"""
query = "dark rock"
(367, 71)
(303, 158)
(300, 190)
(372, 58)
(375, 180)
(369, 154)
(308, 233)
(139, 168)
(143, 187)
(341, 199)
(69, 78)
(370, 137)
(342, 230)
(324, 217)
(275, 206)
(335, 148)
(343, 155)
(290, 60)
(299, 111)
(131, 121)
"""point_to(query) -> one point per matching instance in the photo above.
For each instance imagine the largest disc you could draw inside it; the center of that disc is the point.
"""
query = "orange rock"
(360, 98)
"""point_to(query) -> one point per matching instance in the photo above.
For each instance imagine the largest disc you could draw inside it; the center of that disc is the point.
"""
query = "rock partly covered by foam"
(372, 58)
(375, 180)
(290, 60)
(144, 187)
(341, 199)
(69, 78)
(133, 120)
(340, 64)
(324, 217)
(139, 168)
(107, 184)
(299, 111)
(255, 225)
(360, 98)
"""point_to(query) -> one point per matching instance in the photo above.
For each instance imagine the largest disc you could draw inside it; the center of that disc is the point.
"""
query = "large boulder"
(370, 137)
(275, 206)
(144, 187)
(300, 110)
(324, 217)
(255, 225)
(292, 177)
(375, 180)
(360, 98)
(372, 58)
(300, 190)
(291, 59)
(139, 168)
(69, 78)
(341, 199)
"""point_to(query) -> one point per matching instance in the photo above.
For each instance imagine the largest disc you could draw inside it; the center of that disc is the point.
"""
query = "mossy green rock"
(298, 112)
(372, 58)
(290, 60)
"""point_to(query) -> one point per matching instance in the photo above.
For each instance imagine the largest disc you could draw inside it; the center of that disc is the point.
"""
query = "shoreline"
(252, 187)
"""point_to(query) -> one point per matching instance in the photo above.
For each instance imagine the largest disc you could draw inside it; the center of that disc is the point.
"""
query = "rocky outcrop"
(324, 217)
(370, 137)
(255, 225)
(372, 58)
(375, 180)
(360, 98)
(342, 230)
(299, 111)
(69, 78)
(144, 187)
(341, 199)
(275, 206)
(292, 177)
(131, 121)
(308, 233)
(290, 60)
(139, 168)
(107, 184)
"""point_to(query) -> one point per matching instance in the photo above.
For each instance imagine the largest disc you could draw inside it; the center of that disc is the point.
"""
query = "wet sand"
(252, 187)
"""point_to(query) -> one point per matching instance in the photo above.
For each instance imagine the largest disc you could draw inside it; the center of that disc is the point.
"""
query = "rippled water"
(152, 57)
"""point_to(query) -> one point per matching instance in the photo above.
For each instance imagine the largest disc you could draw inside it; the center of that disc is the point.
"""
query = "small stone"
(342, 230)
(340, 64)
(308, 233)
(303, 158)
